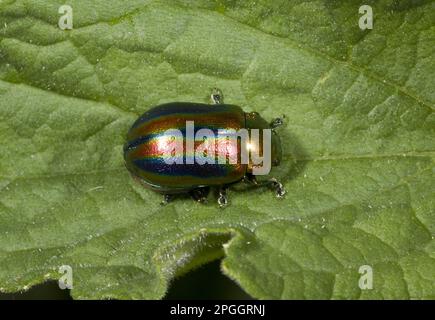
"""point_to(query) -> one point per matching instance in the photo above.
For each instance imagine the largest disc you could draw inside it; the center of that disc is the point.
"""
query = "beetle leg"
(272, 183)
(223, 197)
(166, 199)
(217, 96)
(250, 178)
(279, 188)
(276, 123)
(200, 194)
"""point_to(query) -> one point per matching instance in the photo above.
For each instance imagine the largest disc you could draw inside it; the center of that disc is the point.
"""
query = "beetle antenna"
(276, 122)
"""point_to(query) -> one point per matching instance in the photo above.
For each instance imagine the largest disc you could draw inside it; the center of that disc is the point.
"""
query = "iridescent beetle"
(145, 161)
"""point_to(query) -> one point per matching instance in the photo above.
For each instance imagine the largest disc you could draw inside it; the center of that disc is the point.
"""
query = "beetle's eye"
(253, 114)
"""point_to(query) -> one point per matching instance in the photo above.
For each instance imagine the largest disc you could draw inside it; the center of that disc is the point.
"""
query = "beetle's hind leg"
(200, 194)
(216, 96)
(223, 196)
(272, 183)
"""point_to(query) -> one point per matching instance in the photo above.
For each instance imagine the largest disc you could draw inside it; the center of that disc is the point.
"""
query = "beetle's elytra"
(179, 169)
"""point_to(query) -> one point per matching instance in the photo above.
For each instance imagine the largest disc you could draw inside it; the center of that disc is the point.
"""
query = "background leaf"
(358, 145)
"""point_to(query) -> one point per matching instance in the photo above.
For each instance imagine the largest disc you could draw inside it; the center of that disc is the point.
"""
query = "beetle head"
(255, 121)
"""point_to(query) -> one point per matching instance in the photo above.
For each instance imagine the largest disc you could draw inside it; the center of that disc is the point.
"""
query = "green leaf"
(358, 145)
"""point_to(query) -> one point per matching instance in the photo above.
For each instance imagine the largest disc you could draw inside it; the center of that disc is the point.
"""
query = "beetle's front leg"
(223, 196)
(279, 188)
(272, 183)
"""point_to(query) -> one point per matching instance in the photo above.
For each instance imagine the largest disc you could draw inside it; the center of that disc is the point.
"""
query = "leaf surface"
(358, 146)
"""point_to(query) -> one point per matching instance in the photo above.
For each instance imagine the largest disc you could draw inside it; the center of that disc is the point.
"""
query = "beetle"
(146, 163)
